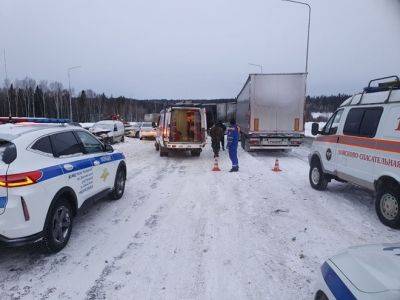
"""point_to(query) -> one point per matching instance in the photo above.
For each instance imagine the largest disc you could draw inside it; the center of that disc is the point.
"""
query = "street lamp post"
(309, 26)
(256, 65)
(69, 89)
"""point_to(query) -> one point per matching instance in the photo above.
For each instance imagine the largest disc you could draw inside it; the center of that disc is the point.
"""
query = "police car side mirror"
(108, 148)
(315, 129)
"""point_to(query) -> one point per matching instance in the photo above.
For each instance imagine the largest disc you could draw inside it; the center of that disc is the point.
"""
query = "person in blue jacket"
(232, 144)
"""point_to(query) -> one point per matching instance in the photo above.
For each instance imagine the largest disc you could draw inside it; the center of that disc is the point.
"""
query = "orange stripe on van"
(362, 142)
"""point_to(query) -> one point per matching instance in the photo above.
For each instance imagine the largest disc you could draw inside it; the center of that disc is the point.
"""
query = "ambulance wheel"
(59, 226)
(195, 152)
(119, 184)
(317, 177)
(163, 152)
(387, 205)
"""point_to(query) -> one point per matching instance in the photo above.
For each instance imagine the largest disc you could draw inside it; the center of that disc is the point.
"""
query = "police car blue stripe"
(57, 170)
(3, 202)
(335, 284)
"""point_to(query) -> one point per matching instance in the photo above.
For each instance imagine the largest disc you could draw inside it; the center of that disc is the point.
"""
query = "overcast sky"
(198, 49)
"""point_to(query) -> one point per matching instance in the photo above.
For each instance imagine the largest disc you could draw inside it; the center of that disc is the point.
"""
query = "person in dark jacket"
(232, 144)
(223, 127)
(216, 134)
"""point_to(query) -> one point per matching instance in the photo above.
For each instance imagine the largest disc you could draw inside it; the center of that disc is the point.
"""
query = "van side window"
(363, 121)
(332, 126)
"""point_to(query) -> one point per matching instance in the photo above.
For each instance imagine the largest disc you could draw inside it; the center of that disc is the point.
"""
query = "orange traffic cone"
(276, 167)
(216, 168)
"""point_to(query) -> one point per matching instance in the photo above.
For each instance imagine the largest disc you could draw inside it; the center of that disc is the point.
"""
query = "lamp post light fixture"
(309, 26)
(69, 89)
(256, 65)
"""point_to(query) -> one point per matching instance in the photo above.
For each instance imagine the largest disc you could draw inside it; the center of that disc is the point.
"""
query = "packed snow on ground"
(307, 128)
(184, 232)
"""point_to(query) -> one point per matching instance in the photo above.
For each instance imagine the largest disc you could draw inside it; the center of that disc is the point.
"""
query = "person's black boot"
(234, 169)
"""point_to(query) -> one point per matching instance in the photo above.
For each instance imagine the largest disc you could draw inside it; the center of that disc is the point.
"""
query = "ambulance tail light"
(254, 141)
(22, 179)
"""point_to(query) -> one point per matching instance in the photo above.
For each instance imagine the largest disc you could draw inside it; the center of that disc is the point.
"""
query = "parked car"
(182, 128)
(364, 272)
(109, 131)
(134, 129)
(47, 172)
(360, 144)
(147, 131)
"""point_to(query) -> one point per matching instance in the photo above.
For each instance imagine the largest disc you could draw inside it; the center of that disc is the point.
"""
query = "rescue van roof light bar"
(5, 120)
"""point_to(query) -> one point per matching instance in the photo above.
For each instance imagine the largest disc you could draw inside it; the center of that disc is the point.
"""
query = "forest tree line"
(29, 98)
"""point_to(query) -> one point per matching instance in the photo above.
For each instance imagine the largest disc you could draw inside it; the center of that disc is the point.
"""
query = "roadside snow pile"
(325, 115)
(86, 125)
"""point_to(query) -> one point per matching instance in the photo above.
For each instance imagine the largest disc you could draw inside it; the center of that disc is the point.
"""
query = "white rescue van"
(360, 144)
(182, 128)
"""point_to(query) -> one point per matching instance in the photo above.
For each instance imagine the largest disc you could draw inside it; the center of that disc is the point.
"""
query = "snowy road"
(184, 232)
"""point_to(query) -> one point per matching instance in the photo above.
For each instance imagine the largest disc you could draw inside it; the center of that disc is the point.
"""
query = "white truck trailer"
(270, 111)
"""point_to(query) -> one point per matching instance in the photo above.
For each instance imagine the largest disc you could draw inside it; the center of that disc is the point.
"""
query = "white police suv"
(368, 272)
(47, 172)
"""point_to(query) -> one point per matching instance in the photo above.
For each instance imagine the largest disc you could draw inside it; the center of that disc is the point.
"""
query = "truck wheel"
(59, 226)
(137, 134)
(119, 184)
(247, 145)
(317, 177)
(387, 205)
(242, 142)
(157, 146)
(123, 139)
(195, 152)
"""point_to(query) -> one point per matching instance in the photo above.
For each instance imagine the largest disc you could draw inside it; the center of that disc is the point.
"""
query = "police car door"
(94, 150)
(328, 151)
(77, 168)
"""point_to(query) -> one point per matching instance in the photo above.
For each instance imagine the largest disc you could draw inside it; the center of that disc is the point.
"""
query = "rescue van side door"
(359, 146)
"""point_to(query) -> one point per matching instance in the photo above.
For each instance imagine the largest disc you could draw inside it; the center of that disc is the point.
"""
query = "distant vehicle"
(270, 111)
(364, 272)
(134, 129)
(360, 144)
(147, 131)
(47, 172)
(182, 128)
(152, 118)
(109, 131)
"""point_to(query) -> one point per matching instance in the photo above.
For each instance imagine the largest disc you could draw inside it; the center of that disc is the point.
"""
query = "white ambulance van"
(360, 144)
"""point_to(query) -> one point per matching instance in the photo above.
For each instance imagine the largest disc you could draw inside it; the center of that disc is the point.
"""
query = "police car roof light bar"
(4, 120)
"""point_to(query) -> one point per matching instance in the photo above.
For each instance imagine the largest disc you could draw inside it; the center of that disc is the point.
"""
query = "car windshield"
(147, 125)
(105, 126)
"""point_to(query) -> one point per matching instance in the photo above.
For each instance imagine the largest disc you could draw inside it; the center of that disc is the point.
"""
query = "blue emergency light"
(4, 120)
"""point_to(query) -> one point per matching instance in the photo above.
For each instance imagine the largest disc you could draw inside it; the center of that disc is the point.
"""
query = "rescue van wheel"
(119, 184)
(317, 177)
(387, 205)
(59, 226)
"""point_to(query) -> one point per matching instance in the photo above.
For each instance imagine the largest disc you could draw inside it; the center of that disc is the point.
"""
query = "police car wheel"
(387, 206)
(59, 226)
(119, 184)
(317, 177)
